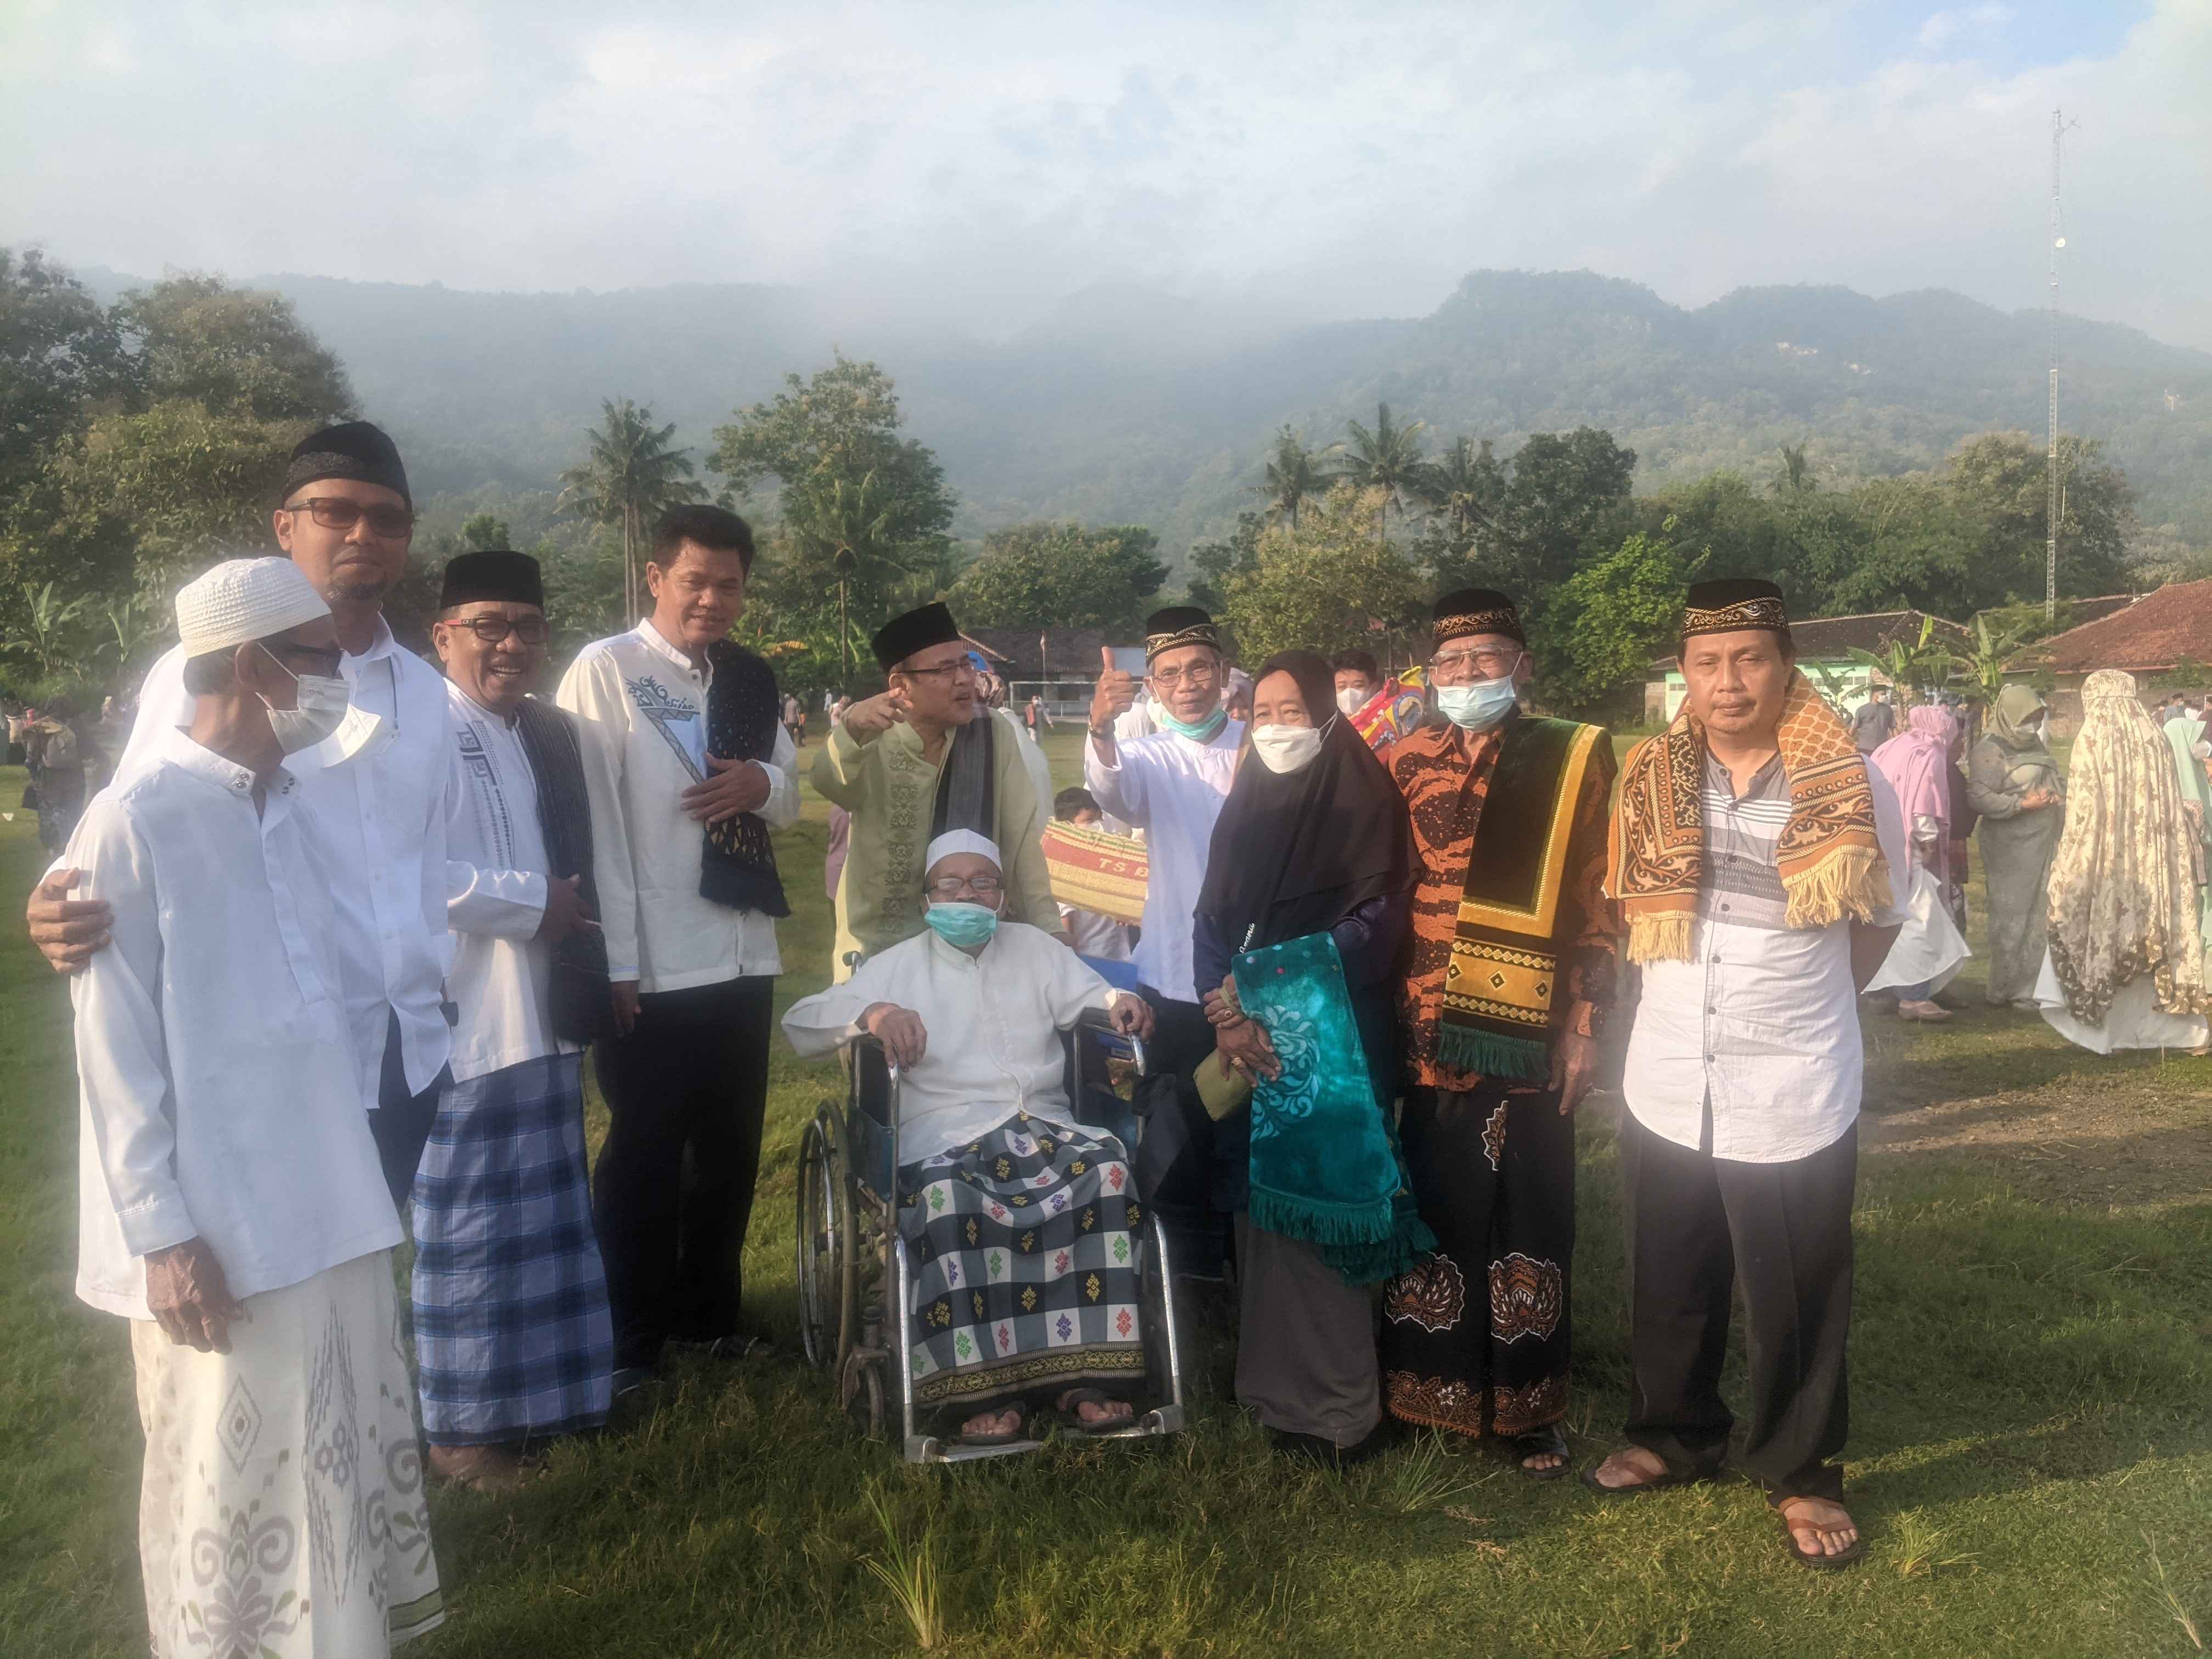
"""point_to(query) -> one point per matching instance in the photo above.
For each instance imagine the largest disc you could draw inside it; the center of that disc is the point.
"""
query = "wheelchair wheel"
(828, 1247)
(1155, 1310)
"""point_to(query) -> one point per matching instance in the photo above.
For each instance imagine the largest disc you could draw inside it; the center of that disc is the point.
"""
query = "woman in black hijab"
(1314, 839)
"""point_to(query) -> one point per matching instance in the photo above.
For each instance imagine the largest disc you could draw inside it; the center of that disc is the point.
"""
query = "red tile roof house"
(2166, 631)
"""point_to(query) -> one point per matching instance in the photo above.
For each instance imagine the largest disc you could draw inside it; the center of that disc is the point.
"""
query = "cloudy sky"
(988, 160)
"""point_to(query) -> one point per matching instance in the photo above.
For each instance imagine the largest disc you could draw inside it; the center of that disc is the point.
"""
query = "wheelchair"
(854, 1270)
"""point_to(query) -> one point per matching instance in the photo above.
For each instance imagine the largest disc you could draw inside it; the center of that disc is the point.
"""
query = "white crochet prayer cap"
(244, 599)
(960, 840)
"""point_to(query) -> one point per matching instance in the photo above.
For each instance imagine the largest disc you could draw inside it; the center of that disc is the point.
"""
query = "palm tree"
(1292, 473)
(631, 479)
(849, 526)
(1468, 483)
(1390, 459)
(1796, 477)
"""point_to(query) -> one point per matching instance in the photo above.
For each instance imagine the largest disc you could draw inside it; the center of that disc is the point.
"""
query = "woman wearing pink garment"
(1918, 763)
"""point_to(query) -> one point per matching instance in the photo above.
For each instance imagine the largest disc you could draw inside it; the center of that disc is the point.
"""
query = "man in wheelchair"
(1019, 1222)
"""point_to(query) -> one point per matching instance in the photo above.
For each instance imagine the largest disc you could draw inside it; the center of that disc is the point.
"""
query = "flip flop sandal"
(1071, 1405)
(1815, 1558)
(1019, 1431)
(1642, 1488)
(1548, 1439)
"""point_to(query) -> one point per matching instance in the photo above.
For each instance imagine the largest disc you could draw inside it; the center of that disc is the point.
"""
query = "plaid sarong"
(512, 1337)
(1025, 1275)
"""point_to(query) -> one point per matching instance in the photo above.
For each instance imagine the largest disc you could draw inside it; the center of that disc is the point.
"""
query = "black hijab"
(1295, 853)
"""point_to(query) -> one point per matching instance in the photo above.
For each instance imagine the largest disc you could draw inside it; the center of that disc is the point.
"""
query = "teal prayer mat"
(1324, 1162)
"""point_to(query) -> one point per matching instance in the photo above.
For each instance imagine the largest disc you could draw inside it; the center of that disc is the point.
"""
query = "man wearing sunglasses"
(376, 788)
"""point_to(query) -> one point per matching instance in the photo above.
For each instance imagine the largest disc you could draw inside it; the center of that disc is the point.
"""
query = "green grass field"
(2031, 1453)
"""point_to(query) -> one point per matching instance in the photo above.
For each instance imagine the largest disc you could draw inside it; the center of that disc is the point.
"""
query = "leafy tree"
(1062, 574)
(486, 532)
(2000, 478)
(238, 351)
(60, 353)
(1596, 638)
(1330, 583)
(1565, 493)
(631, 478)
(1292, 473)
(840, 426)
(1388, 459)
(1211, 562)
(153, 498)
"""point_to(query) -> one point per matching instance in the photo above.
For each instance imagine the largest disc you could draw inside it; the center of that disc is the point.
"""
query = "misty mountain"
(1126, 405)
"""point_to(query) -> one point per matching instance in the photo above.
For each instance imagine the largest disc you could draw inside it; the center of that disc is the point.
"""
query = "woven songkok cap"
(1732, 605)
(1177, 626)
(1475, 610)
(241, 600)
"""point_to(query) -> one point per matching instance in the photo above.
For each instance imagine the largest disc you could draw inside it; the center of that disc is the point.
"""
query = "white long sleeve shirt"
(218, 1091)
(640, 711)
(1763, 1021)
(496, 871)
(383, 814)
(991, 1021)
(1173, 789)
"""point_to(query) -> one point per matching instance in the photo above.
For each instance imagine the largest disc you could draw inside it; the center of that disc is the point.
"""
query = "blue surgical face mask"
(1205, 731)
(961, 924)
(1478, 707)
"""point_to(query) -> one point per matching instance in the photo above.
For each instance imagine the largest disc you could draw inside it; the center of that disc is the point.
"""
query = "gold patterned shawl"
(1830, 859)
(2123, 888)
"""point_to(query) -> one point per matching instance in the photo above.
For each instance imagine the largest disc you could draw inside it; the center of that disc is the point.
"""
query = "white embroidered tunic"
(497, 872)
(640, 711)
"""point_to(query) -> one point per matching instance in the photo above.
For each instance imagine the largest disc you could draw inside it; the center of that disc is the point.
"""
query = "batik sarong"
(1477, 1335)
(1025, 1266)
(512, 1337)
(281, 1513)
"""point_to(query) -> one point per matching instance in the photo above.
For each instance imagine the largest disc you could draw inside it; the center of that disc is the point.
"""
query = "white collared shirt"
(1764, 1020)
(1173, 789)
(640, 711)
(993, 1022)
(383, 815)
(497, 872)
(218, 1091)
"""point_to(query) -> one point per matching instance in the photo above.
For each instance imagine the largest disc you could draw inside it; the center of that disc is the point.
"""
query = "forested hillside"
(1124, 406)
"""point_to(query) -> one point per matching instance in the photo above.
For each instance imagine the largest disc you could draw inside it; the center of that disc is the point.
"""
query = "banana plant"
(1920, 666)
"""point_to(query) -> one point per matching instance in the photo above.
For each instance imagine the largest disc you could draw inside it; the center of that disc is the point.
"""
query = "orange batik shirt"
(1444, 773)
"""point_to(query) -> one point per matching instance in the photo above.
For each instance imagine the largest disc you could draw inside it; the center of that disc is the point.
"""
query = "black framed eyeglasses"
(337, 513)
(531, 630)
(949, 887)
(955, 669)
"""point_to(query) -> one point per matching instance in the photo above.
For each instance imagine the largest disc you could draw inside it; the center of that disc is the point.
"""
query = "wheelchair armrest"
(1099, 1021)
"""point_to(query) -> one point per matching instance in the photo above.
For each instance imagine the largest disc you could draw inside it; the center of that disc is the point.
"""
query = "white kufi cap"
(960, 840)
(241, 600)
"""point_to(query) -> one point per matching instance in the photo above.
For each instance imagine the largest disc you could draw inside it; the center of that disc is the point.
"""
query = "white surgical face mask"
(1478, 707)
(1351, 699)
(1286, 748)
(319, 709)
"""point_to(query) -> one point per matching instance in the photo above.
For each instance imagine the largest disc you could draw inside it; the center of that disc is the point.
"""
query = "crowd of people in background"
(344, 925)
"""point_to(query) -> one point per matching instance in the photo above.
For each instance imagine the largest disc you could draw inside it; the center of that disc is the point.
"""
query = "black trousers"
(1698, 1226)
(673, 1193)
(401, 1123)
